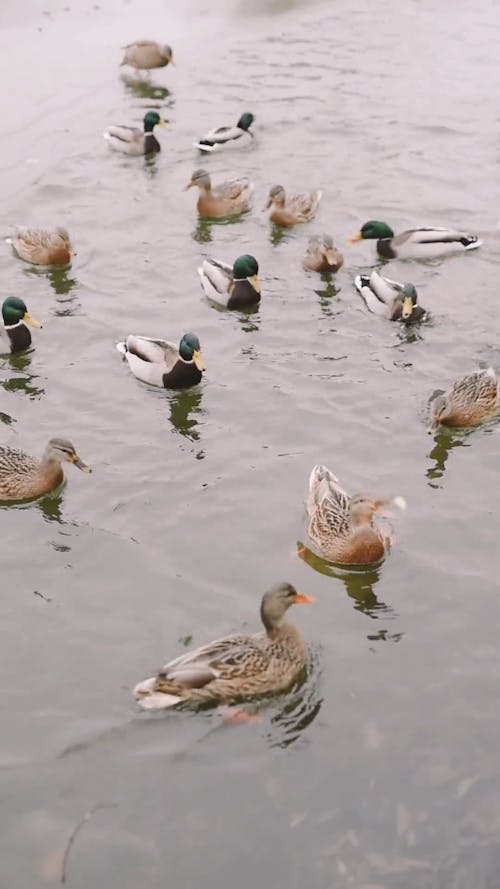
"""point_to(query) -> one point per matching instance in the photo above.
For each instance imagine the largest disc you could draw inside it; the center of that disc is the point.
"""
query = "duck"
(228, 198)
(23, 477)
(234, 288)
(42, 246)
(146, 54)
(321, 255)
(220, 136)
(390, 299)
(161, 363)
(133, 140)
(470, 401)
(237, 667)
(416, 243)
(342, 527)
(16, 317)
(297, 208)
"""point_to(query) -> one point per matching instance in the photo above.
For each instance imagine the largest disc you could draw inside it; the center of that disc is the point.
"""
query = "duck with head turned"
(321, 255)
(143, 55)
(228, 198)
(24, 478)
(390, 299)
(234, 288)
(342, 527)
(471, 401)
(133, 140)
(416, 243)
(292, 209)
(237, 667)
(161, 363)
(219, 137)
(15, 320)
(42, 246)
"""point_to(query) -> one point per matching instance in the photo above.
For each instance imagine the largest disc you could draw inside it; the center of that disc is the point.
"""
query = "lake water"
(382, 770)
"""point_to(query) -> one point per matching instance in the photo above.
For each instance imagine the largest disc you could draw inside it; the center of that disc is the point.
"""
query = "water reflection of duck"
(444, 442)
(184, 406)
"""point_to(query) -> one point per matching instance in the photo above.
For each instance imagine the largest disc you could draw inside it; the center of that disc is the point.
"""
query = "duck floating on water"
(133, 140)
(42, 246)
(147, 54)
(416, 243)
(471, 401)
(228, 198)
(161, 363)
(321, 255)
(293, 209)
(23, 477)
(15, 320)
(235, 288)
(237, 667)
(225, 136)
(390, 299)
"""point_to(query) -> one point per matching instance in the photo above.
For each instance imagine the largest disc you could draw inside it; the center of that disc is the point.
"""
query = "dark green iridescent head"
(245, 266)
(410, 292)
(246, 120)
(189, 344)
(13, 310)
(373, 230)
(151, 120)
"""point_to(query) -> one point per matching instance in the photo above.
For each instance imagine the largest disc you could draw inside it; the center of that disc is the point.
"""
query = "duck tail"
(149, 699)
(471, 242)
(122, 347)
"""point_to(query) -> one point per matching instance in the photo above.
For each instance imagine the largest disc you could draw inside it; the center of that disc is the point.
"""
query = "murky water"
(381, 771)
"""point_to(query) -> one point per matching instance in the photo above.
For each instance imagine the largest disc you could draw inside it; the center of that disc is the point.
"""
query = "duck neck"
(151, 144)
(19, 336)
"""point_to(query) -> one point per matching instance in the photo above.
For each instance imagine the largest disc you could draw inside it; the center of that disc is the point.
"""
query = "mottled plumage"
(227, 136)
(342, 527)
(228, 198)
(147, 54)
(236, 667)
(294, 209)
(42, 246)
(161, 363)
(23, 477)
(390, 299)
(471, 400)
(321, 255)
(235, 288)
(416, 243)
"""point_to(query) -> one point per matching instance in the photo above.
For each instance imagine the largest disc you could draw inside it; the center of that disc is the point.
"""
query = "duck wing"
(149, 358)
(124, 133)
(220, 136)
(234, 189)
(328, 499)
(480, 387)
(381, 295)
(434, 235)
(305, 205)
(216, 278)
(228, 658)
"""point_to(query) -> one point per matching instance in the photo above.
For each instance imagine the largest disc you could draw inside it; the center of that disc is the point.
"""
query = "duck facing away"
(133, 140)
(161, 363)
(235, 288)
(146, 54)
(416, 243)
(225, 199)
(24, 478)
(42, 246)
(221, 136)
(294, 209)
(15, 320)
(470, 401)
(236, 667)
(390, 299)
(321, 255)
(342, 527)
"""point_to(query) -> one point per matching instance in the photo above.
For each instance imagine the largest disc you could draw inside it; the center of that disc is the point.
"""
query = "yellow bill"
(28, 319)
(198, 360)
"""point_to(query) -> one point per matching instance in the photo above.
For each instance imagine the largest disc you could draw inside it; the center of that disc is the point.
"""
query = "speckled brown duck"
(23, 477)
(42, 246)
(143, 55)
(471, 401)
(321, 255)
(228, 198)
(289, 210)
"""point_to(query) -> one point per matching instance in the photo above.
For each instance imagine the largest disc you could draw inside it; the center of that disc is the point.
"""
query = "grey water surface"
(381, 771)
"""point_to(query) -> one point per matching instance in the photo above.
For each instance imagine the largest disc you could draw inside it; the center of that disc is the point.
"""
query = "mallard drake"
(132, 140)
(161, 363)
(297, 208)
(321, 255)
(146, 54)
(221, 136)
(24, 478)
(470, 401)
(236, 667)
(397, 302)
(416, 243)
(15, 320)
(235, 288)
(226, 199)
(342, 527)
(42, 246)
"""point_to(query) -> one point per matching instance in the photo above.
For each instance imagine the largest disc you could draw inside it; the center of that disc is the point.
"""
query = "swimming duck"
(321, 255)
(297, 208)
(147, 54)
(416, 243)
(24, 478)
(132, 140)
(15, 320)
(471, 400)
(42, 246)
(226, 199)
(342, 527)
(161, 363)
(236, 667)
(235, 288)
(221, 136)
(397, 302)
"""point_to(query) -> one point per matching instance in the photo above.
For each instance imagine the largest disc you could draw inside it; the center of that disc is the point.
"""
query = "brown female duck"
(321, 255)
(236, 667)
(42, 246)
(146, 54)
(226, 199)
(294, 209)
(24, 478)
(470, 401)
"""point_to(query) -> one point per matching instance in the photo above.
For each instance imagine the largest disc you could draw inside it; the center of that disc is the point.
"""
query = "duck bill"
(254, 281)
(330, 257)
(198, 360)
(28, 319)
(407, 310)
(171, 60)
(163, 121)
(354, 238)
(302, 598)
(433, 426)
(189, 185)
(80, 464)
(269, 202)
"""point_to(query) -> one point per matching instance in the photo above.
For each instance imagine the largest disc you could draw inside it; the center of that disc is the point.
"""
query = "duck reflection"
(325, 294)
(277, 234)
(203, 231)
(144, 88)
(20, 362)
(444, 442)
(50, 506)
(358, 582)
(6, 419)
(184, 406)
(59, 278)
(298, 709)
